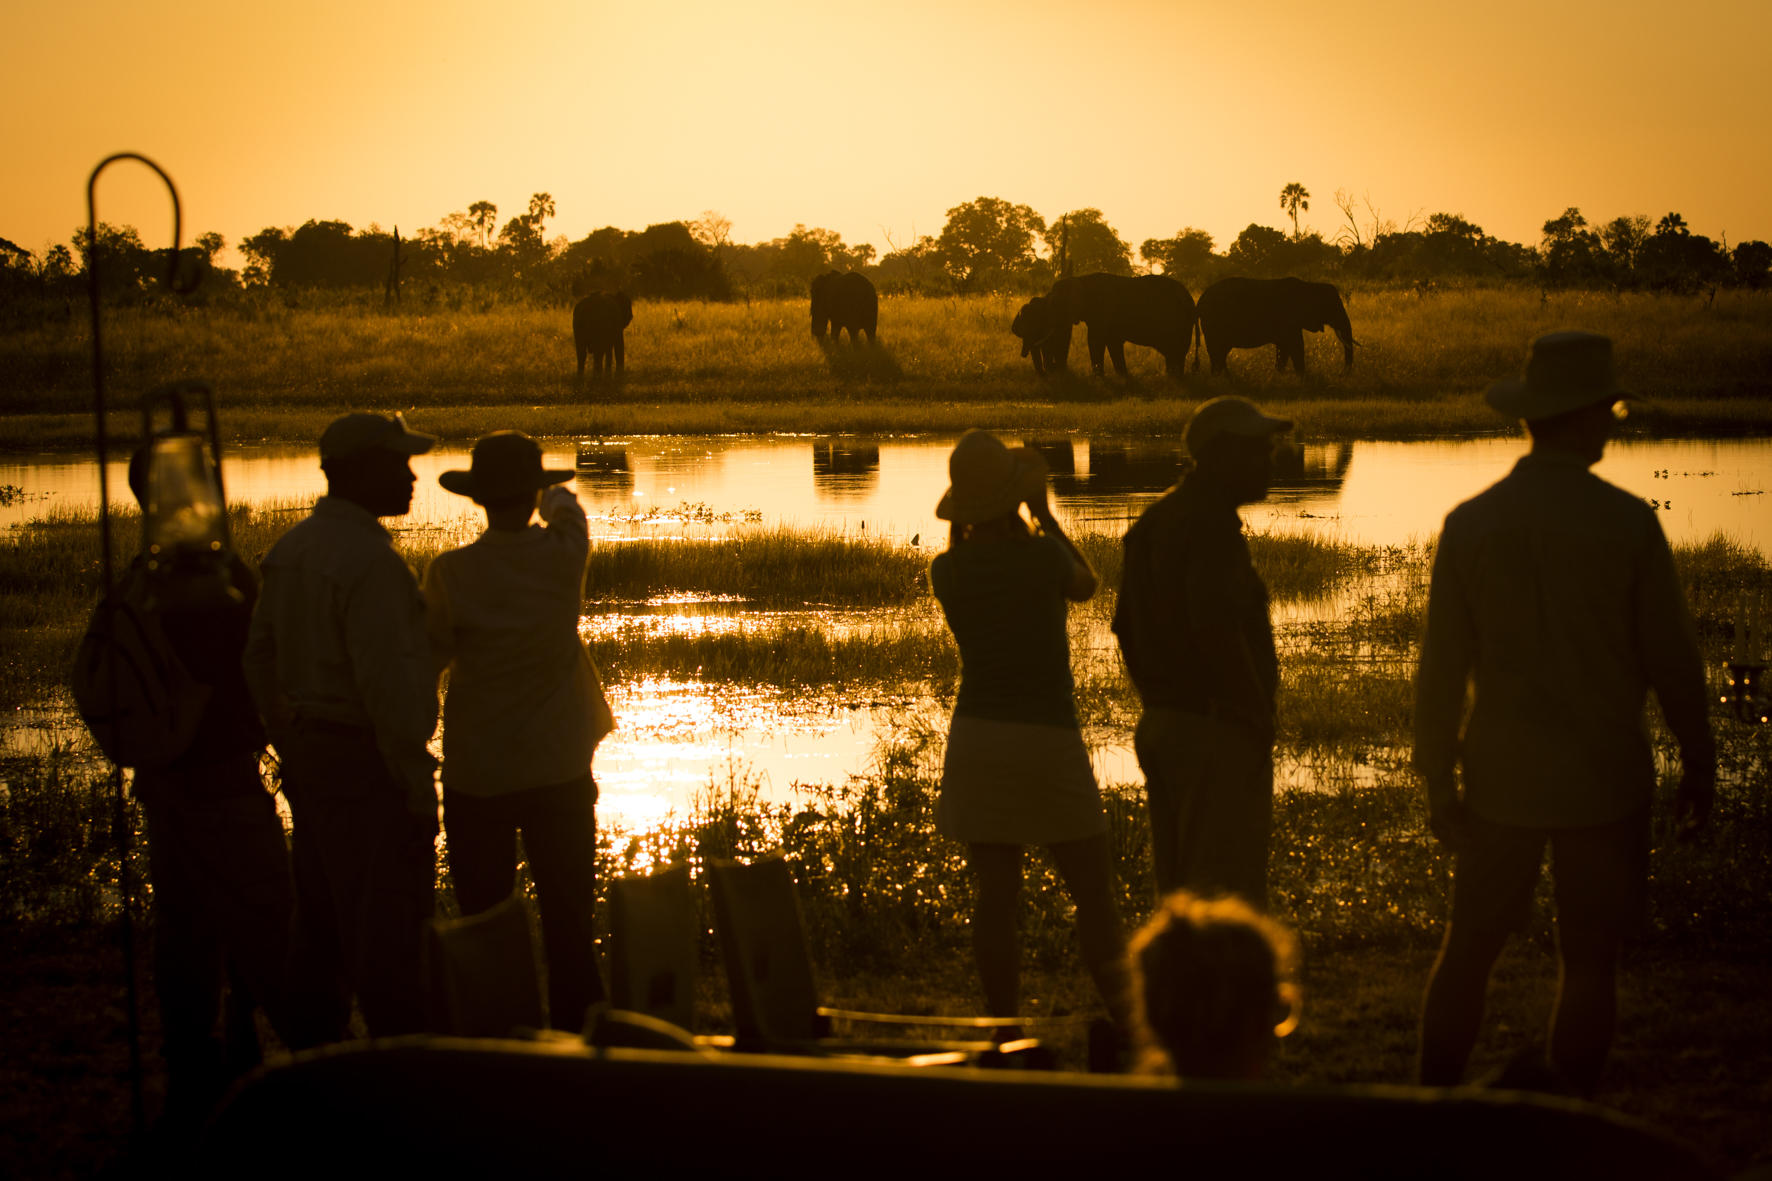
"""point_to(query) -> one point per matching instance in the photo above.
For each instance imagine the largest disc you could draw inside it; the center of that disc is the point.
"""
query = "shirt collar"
(509, 536)
(337, 508)
(1551, 459)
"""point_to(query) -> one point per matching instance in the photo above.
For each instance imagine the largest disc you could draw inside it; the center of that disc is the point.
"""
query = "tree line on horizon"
(986, 245)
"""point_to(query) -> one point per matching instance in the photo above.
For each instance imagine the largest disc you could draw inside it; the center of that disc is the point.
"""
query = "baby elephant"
(597, 323)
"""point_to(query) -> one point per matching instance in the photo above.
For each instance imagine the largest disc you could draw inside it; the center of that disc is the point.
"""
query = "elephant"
(1049, 344)
(844, 299)
(1150, 310)
(597, 323)
(1242, 313)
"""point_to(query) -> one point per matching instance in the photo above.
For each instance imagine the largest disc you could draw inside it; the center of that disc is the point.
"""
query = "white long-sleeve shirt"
(524, 705)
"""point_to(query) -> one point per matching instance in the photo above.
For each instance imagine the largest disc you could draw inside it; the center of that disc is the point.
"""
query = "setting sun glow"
(873, 122)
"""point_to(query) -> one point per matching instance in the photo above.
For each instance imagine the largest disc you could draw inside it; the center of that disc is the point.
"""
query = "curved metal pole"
(120, 810)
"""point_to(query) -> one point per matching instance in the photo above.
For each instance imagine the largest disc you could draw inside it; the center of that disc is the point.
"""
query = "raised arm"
(1080, 584)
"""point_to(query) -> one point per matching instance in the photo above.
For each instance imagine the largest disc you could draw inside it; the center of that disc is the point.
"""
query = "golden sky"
(874, 120)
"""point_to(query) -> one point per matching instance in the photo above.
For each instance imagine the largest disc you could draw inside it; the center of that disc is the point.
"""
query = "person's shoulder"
(447, 561)
(1484, 505)
(1616, 499)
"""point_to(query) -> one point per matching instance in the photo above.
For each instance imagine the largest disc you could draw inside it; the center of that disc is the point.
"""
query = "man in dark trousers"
(1554, 610)
(1193, 626)
(341, 670)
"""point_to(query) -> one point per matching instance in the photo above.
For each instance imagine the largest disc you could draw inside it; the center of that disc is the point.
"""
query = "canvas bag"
(157, 704)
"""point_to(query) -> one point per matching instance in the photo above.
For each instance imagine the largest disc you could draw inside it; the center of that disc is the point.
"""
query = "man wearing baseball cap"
(1193, 626)
(341, 671)
(1554, 609)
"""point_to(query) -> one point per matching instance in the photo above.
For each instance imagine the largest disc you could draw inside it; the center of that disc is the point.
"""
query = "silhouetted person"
(341, 670)
(1193, 626)
(216, 856)
(1554, 609)
(524, 709)
(1017, 772)
(1212, 986)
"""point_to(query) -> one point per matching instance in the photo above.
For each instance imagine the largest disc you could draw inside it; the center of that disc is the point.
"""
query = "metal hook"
(119, 810)
(98, 350)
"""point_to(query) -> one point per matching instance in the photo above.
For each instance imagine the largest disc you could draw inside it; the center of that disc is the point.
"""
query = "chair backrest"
(652, 940)
(763, 945)
(482, 974)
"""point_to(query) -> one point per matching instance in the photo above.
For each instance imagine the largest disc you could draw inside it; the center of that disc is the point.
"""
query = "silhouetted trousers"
(1209, 786)
(559, 825)
(222, 898)
(365, 871)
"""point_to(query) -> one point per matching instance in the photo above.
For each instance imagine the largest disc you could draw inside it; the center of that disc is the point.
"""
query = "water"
(1375, 493)
(677, 737)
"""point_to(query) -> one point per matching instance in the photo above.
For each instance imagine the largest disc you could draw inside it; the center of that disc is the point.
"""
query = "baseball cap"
(358, 432)
(1229, 415)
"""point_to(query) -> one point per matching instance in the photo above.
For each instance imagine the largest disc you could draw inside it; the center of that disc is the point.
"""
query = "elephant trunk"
(1344, 331)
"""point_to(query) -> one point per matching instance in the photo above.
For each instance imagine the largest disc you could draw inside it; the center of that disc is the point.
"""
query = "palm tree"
(1293, 198)
(483, 214)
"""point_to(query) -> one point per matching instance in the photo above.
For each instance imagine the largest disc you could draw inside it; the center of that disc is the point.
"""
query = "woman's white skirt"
(1017, 783)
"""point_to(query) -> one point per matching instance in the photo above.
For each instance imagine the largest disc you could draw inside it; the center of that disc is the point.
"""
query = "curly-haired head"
(1211, 986)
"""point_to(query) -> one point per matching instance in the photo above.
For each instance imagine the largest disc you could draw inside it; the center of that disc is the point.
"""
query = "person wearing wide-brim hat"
(1554, 610)
(524, 707)
(1016, 771)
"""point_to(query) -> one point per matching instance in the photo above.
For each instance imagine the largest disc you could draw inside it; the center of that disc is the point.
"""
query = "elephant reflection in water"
(1242, 313)
(1119, 468)
(1150, 310)
(1311, 465)
(605, 468)
(845, 469)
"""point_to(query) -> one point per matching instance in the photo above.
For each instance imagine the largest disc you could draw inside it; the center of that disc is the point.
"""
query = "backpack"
(158, 705)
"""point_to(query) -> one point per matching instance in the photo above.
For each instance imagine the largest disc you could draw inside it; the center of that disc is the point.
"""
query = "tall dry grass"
(942, 363)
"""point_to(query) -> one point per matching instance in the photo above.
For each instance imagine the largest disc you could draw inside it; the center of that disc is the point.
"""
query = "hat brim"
(1514, 397)
(409, 442)
(976, 506)
(462, 483)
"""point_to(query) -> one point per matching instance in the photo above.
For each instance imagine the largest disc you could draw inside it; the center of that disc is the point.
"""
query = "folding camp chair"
(775, 999)
(482, 974)
(652, 945)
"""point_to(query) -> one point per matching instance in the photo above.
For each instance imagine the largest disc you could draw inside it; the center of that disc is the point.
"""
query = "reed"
(766, 567)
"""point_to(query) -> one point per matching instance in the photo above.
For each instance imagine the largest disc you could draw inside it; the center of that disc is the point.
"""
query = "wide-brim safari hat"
(1565, 371)
(986, 479)
(1229, 415)
(504, 464)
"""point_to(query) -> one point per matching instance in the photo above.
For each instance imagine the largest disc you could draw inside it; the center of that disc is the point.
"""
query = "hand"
(1449, 823)
(557, 496)
(1692, 803)
(1033, 474)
